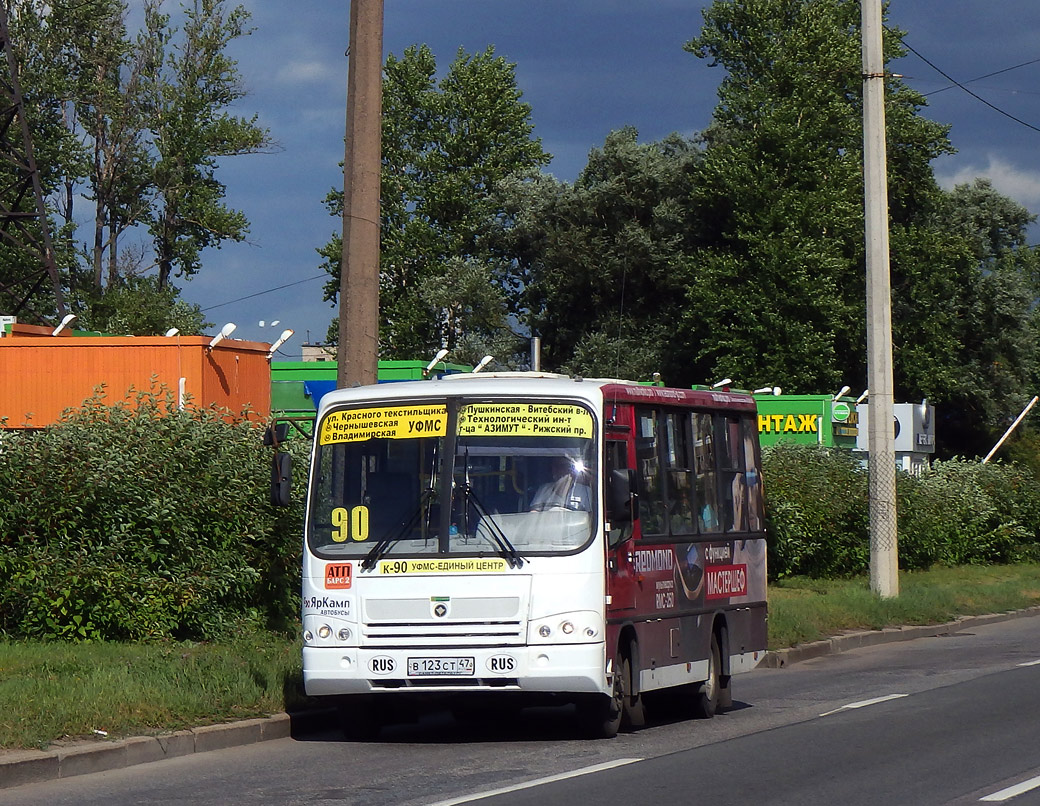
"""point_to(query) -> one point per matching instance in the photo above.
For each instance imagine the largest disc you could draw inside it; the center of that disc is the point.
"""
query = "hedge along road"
(442, 759)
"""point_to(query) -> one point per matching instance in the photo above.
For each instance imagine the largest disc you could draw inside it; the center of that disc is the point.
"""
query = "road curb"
(34, 766)
(781, 658)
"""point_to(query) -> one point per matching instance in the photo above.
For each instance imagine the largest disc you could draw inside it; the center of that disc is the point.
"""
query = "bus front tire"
(605, 716)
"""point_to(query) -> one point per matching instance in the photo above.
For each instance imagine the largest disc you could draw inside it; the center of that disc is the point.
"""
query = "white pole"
(1011, 428)
(884, 558)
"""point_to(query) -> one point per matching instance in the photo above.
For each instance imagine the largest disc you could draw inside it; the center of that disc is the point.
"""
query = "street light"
(286, 334)
(64, 323)
(436, 359)
(841, 393)
(225, 331)
(723, 382)
(483, 363)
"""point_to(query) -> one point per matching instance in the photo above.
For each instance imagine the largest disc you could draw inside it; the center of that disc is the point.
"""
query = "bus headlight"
(327, 632)
(584, 626)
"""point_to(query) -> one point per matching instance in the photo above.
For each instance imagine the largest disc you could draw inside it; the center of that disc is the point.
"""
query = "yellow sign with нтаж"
(524, 420)
(387, 422)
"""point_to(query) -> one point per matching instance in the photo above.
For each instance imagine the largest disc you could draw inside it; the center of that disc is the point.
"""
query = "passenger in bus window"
(564, 491)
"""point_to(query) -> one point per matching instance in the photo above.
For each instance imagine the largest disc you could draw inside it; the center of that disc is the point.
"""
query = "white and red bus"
(532, 537)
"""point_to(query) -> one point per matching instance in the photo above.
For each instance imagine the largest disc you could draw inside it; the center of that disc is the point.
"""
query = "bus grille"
(469, 633)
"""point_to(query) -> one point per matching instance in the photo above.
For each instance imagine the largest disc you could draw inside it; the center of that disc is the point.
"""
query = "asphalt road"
(947, 720)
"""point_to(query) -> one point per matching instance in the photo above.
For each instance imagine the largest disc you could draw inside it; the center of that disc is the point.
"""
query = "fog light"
(591, 633)
(344, 634)
(324, 631)
(308, 636)
(567, 628)
(544, 631)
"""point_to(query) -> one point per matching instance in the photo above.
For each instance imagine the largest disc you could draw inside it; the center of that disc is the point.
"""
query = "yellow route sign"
(525, 420)
(384, 422)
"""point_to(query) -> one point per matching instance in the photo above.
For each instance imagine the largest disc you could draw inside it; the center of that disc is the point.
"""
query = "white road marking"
(1030, 663)
(1013, 791)
(863, 703)
(563, 776)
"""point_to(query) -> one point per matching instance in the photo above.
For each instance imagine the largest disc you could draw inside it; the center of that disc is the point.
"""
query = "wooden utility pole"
(359, 267)
(884, 556)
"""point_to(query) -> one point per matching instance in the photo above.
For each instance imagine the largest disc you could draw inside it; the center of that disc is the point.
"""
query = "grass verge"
(803, 610)
(51, 691)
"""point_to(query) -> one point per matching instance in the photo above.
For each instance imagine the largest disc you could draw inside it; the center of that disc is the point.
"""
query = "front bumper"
(554, 668)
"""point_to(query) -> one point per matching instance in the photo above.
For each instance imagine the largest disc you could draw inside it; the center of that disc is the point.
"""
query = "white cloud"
(306, 73)
(1022, 185)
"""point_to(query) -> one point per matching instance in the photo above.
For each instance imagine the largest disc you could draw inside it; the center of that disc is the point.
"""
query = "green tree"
(41, 54)
(999, 337)
(136, 306)
(777, 295)
(138, 127)
(188, 84)
(599, 264)
(448, 146)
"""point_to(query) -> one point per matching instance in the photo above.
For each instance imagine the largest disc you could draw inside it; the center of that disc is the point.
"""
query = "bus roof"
(595, 391)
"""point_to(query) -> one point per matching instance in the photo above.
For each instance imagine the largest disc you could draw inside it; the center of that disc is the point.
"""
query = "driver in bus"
(564, 491)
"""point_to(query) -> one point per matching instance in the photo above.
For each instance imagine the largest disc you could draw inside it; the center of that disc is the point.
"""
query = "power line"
(261, 293)
(977, 78)
(972, 94)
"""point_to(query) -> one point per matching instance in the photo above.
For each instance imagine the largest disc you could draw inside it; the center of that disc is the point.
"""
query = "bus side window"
(706, 474)
(617, 459)
(679, 474)
(733, 482)
(754, 483)
(648, 459)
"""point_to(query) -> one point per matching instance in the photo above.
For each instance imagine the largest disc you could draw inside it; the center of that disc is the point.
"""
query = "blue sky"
(586, 67)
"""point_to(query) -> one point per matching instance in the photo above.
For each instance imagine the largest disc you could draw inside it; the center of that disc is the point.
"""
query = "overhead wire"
(261, 293)
(978, 78)
(960, 85)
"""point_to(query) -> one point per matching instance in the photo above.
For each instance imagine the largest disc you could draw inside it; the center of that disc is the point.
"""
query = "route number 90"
(350, 523)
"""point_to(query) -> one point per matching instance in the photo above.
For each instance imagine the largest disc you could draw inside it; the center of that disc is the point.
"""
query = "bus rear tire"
(706, 700)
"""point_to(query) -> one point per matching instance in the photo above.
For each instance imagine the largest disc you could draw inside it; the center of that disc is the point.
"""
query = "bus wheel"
(633, 714)
(601, 715)
(706, 701)
(358, 718)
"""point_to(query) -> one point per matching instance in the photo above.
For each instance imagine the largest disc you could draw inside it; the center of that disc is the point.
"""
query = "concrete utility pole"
(359, 269)
(884, 555)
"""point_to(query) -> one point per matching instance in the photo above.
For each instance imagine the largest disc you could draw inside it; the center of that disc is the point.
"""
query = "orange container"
(42, 375)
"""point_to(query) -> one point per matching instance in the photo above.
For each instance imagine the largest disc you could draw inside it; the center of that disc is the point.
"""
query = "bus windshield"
(491, 478)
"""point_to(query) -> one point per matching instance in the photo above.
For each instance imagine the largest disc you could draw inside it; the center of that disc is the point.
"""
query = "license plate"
(440, 667)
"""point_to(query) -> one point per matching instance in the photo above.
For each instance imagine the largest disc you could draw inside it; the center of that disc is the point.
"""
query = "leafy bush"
(815, 511)
(140, 520)
(956, 513)
(952, 515)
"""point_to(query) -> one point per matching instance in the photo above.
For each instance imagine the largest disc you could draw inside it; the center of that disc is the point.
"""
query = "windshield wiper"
(387, 541)
(506, 548)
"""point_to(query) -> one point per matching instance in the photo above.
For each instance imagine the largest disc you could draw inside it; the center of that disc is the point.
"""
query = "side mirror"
(275, 434)
(621, 496)
(281, 479)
